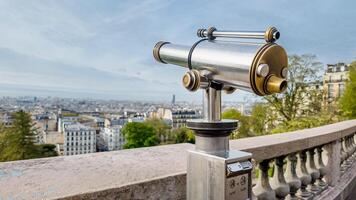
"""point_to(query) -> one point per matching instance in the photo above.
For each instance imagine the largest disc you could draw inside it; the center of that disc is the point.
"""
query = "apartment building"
(79, 139)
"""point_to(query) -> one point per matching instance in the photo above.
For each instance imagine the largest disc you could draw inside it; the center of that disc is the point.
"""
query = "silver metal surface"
(206, 103)
(214, 113)
(237, 34)
(210, 177)
(217, 145)
(263, 70)
(228, 62)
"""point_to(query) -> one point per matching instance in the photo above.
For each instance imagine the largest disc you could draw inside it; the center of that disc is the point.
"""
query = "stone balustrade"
(316, 163)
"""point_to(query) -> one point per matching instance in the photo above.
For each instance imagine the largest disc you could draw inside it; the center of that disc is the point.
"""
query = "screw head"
(262, 70)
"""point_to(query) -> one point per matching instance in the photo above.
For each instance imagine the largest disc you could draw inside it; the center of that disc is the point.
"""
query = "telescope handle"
(270, 35)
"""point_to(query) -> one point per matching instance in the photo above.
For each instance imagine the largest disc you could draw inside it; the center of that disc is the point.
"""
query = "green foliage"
(348, 99)
(183, 135)
(139, 135)
(231, 114)
(70, 114)
(19, 139)
(161, 128)
(259, 119)
(46, 150)
(243, 124)
(304, 123)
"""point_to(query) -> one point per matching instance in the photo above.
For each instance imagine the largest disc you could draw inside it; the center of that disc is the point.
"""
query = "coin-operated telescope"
(217, 64)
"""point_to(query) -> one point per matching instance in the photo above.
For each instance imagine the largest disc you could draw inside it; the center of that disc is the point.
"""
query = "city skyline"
(103, 50)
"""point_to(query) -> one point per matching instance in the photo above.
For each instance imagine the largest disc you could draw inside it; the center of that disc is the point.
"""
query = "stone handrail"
(313, 163)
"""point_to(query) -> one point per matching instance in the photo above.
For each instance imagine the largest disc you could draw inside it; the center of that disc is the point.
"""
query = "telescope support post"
(214, 172)
(211, 104)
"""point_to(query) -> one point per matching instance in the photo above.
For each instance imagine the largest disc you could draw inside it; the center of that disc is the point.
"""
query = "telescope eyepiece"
(275, 84)
(156, 49)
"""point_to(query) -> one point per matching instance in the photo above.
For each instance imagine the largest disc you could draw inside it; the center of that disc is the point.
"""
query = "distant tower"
(173, 99)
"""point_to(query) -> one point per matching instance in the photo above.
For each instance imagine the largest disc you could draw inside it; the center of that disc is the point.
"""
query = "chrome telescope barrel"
(253, 67)
(270, 35)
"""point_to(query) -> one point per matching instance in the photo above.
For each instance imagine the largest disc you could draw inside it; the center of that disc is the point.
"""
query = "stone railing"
(313, 163)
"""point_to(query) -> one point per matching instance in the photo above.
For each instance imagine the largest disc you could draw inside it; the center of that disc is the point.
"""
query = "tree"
(18, 140)
(243, 129)
(161, 128)
(46, 150)
(183, 135)
(348, 99)
(259, 119)
(304, 122)
(139, 135)
(300, 99)
(231, 114)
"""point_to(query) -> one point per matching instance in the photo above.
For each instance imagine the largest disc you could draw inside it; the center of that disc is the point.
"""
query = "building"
(6, 119)
(334, 82)
(113, 138)
(56, 138)
(175, 117)
(173, 99)
(79, 139)
(115, 121)
(64, 121)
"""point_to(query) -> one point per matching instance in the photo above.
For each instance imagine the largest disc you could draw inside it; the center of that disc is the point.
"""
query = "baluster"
(278, 183)
(343, 157)
(348, 150)
(353, 145)
(333, 153)
(314, 173)
(322, 169)
(263, 189)
(291, 177)
(351, 148)
(303, 175)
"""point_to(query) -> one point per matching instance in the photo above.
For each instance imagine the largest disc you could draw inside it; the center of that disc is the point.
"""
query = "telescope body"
(234, 64)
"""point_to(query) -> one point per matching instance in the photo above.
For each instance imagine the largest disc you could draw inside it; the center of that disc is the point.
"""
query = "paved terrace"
(317, 163)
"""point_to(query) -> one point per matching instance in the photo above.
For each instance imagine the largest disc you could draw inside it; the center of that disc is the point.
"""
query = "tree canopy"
(139, 134)
(183, 135)
(161, 128)
(348, 99)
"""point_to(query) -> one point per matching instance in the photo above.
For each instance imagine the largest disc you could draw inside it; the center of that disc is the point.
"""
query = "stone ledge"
(85, 175)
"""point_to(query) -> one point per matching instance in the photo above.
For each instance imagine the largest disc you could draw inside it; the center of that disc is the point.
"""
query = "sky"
(103, 49)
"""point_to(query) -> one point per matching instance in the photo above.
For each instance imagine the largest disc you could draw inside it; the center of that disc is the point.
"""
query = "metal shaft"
(216, 145)
(237, 34)
(214, 105)
(270, 35)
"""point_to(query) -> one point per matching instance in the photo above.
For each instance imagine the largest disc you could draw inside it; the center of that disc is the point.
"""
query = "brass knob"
(191, 80)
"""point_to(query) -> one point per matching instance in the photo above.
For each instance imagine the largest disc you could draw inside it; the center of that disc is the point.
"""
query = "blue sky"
(103, 49)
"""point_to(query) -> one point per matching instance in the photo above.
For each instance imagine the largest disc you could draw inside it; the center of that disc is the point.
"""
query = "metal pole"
(270, 35)
(237, 34)
(214, 105)
(206, 103)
